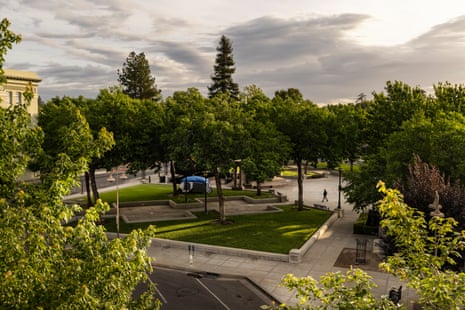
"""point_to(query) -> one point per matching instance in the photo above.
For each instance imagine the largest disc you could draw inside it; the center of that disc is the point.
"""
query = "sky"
(330, 50)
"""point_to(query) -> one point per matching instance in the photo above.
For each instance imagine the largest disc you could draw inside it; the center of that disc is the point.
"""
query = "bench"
(395, 295)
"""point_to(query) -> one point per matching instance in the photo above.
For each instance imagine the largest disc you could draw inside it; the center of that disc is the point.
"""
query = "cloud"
(316, 56)
(60, 80)
(78, 46)
(312, 54)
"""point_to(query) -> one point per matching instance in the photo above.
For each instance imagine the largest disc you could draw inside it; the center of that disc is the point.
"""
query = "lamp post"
(339, 188)
(112, 179)
(205, 174)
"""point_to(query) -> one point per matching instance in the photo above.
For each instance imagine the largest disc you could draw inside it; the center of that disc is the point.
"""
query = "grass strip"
(270, 232)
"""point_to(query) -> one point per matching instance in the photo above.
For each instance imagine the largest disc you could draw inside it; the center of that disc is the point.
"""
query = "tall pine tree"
(136, 78)
(223, 71)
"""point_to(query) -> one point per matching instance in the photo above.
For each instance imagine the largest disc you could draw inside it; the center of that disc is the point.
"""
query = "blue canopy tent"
(194, 184)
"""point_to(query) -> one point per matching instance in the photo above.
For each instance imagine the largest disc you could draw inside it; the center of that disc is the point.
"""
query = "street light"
(339, 194)
(205, 174)
(112, 179)
(339, 190)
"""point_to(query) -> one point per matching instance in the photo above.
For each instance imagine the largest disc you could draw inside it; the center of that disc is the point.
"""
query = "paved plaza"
(322, 257)
(319, 259)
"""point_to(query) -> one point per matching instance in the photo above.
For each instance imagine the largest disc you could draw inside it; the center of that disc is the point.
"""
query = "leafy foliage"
(223, 71)
(136, 78)
(43, 262)
(424, 249)
(7, 38)
(335, 290)
(265, 148)
(67, 133)
(304, 124)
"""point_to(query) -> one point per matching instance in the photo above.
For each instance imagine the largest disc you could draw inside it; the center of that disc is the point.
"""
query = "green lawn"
(271, 232)
(145, 192)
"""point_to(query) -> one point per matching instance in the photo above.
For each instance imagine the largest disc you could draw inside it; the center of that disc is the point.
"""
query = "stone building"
(12, 91)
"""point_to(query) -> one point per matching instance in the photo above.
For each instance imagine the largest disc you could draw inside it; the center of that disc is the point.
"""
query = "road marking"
(213, 294)
(163, 299)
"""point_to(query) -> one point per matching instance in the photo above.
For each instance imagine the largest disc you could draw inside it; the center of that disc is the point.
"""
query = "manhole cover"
(186, 291)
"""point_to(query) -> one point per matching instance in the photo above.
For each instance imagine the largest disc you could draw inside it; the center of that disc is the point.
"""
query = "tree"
(223, 71)
(345, 132)
(439, 141)
(44, 262)
(136, 78)
(336, 290)
(183, 117)
(65, 127)
(424, 249)
(304, 124)
(218, 140)
(424, 180)
(450, 98)
(7, 39)
(385, 115)
(135, 126)
(266, 149)
(389, 110)
(361, 98)
(145, 147)
(18, 140)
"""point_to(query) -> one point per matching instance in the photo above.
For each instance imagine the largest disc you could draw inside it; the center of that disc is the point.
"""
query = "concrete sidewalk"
(319, 259)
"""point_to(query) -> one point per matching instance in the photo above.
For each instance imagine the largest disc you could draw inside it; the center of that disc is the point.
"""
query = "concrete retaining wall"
(296, 255)
(211, 249)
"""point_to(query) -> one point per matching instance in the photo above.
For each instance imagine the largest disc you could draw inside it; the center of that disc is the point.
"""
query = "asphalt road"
(178, 289)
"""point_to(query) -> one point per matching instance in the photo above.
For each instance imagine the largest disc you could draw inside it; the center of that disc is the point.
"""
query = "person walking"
(325, 195)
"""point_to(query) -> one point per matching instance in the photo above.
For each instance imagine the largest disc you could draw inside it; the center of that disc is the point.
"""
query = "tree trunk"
(259, 188)
(87, 182)
(173, 178)
(219, 191)
(300, 178)
(93, 184)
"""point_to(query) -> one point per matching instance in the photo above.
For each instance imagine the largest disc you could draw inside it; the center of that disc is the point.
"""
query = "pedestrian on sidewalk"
(325, 195)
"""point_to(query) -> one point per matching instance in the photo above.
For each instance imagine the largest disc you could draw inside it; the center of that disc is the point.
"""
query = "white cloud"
(329, 50)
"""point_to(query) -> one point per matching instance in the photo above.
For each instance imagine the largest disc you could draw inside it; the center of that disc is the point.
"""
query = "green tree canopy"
(390, 109)
(7, 38)
(136, 78)
(67, 133)
(265, 148)
(223, 71)
(218, 139)
(304, 123)
(45, 263)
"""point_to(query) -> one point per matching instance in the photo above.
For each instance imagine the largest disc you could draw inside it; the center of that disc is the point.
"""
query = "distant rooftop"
(22, 75)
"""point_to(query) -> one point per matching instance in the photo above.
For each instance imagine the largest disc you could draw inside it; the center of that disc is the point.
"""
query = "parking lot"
(178, 289)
